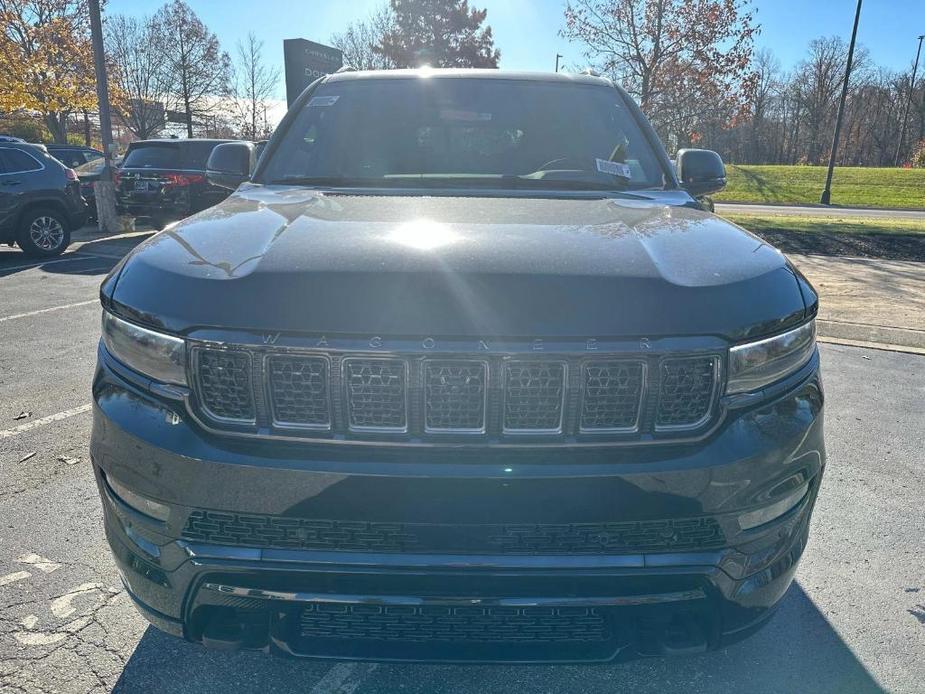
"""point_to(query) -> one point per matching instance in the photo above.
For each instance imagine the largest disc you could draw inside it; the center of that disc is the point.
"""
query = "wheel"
(43, 232)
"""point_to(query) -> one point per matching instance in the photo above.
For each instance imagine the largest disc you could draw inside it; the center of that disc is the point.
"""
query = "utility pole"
(902, 127)
(827, 191)
(106, 215)
(558, 55)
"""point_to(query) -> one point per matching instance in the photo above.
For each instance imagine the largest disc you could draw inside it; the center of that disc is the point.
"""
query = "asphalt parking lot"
(854, 621)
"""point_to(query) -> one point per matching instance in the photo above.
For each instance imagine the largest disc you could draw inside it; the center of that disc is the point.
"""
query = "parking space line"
(47, 310)
(12, 578)
(39, 263)
(8, 433)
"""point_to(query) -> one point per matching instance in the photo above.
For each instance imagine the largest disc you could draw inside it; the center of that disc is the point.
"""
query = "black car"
(463, 373)
(40, 201)
(165, 180)
(73, 156)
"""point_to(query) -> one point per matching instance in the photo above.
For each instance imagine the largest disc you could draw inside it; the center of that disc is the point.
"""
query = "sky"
(526, 31)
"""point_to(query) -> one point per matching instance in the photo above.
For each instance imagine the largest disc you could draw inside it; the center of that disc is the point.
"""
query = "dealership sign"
(305, 62)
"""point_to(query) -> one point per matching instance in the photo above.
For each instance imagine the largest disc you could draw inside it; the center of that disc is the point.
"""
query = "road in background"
(854, 621)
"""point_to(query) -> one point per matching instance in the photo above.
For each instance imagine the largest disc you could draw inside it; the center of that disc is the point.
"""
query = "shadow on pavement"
(70, 263)
(798, 651)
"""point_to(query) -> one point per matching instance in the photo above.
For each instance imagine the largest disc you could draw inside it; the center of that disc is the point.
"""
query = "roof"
(470, 73)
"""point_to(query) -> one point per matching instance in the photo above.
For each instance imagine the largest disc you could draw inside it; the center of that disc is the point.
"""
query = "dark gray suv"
(40, 201)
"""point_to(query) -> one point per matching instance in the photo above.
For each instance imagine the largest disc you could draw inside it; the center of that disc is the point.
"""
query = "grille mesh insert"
(685, 390)
(533, 395)
(453, 623)
(612, 393)
(618, 537)
(376, 393)
(225, 384)
(454, 395)
(299, 390)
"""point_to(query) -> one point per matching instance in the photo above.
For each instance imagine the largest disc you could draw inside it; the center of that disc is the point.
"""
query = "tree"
(139, 56)
(683, 60)
(197, 69)
(359, 40)
(439, 33)
(46, 60)
(254, 84)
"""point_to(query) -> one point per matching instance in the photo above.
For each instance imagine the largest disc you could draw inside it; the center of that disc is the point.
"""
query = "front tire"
(43, 232)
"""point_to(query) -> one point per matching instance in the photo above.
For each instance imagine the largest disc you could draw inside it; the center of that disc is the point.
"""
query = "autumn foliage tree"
(439, 33)
(685, 61)
(46, 60)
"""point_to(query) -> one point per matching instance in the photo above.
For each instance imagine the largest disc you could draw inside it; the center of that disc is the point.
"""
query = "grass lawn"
(801, 185)
(828, 225)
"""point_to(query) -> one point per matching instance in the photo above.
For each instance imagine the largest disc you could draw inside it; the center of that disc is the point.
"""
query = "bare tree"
(356, 42)
(137, 51)
(198, 70)
(254, 84)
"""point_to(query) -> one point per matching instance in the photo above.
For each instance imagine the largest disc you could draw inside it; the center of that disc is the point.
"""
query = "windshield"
(462, 132)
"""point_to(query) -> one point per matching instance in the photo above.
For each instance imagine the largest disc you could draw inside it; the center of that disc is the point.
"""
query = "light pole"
(902, 127)
(827, 191)
(105, 193)
(558, 55)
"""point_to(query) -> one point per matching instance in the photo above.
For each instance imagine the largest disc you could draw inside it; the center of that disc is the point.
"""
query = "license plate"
(146, 186)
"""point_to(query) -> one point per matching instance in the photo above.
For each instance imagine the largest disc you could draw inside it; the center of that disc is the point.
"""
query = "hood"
(285, 259)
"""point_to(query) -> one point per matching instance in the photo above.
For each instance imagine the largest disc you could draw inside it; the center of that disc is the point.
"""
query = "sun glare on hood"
(423, 235)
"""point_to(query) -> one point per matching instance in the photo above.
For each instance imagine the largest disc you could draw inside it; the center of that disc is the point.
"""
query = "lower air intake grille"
(453, 624)
(225, 384)
(686, 388)
(299, 390)
(376, 394)
(533, 396)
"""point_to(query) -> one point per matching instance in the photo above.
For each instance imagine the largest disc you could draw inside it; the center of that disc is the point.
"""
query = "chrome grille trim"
(507, 395)
(640, 399)
(689, 426)
(351, 395)
(414, 434)
(272, 400)
(426, 401)
(195, 355)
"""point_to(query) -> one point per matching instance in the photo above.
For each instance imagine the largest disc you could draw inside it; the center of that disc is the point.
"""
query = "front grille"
(454, 395)
(376, 394)
(623, 537)
(225, 384)
(423, 398)
(299, 390)
(533, 396)
(686, 391)
(612, 395)
(465, 624)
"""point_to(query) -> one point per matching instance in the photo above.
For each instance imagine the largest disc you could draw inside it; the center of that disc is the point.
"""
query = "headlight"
(157, 356)
(757, 364)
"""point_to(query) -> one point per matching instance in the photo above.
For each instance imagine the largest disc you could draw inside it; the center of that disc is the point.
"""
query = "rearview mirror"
(230, 164)
(701, 171)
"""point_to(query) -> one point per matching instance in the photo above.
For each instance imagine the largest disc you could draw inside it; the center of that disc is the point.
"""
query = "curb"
(875, 336)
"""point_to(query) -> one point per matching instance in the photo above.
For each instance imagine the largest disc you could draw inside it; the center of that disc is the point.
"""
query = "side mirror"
(230, 164)
(701, 171)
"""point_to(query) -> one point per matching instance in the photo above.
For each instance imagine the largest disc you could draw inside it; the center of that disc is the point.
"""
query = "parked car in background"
(40, 201)
(10, 138)
(165, 180)
(73, 155)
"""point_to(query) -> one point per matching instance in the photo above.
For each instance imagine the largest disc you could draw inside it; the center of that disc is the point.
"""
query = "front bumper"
(434, 555)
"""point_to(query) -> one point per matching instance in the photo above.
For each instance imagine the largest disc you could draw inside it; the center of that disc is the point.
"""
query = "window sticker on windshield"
(614, 168)
(471, 116)
(322, 101)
